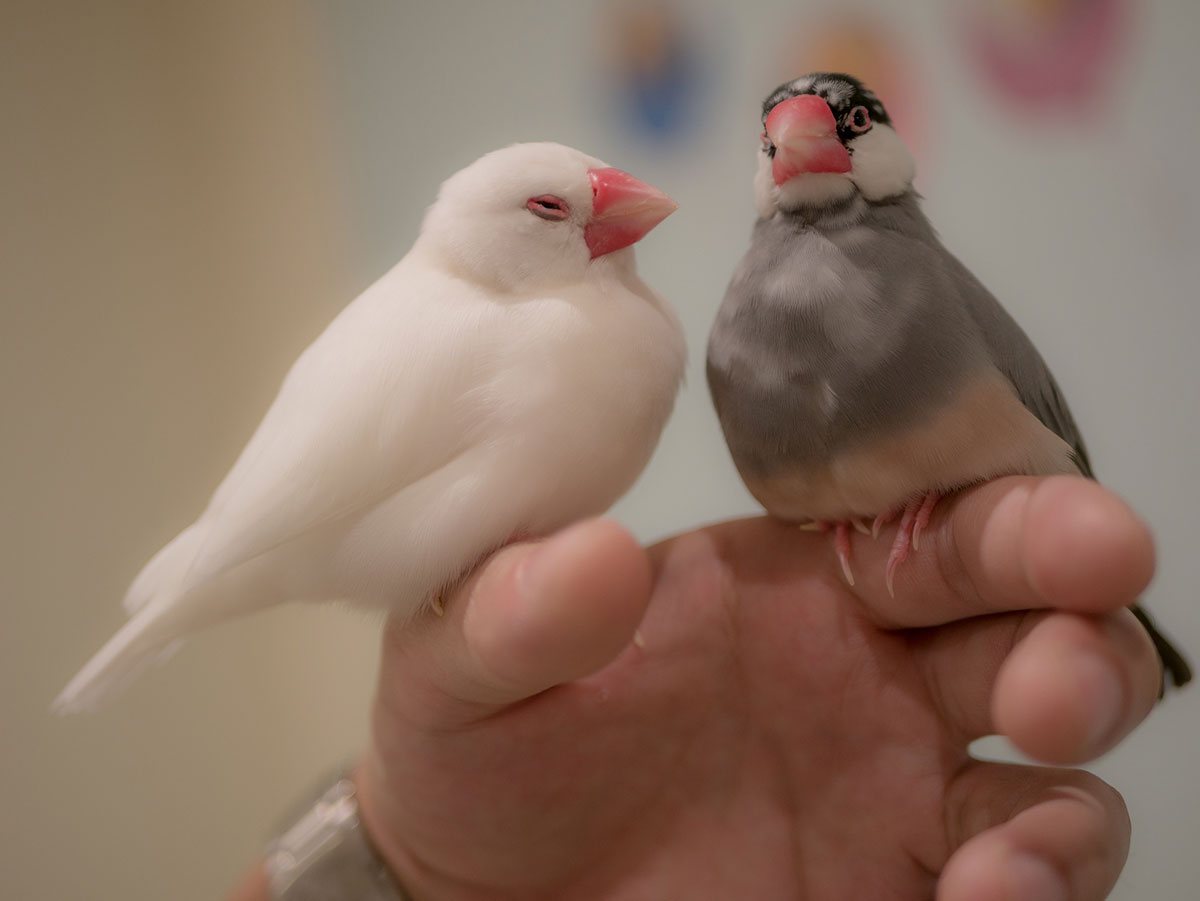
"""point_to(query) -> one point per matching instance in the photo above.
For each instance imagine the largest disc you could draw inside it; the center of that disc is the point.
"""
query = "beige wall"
(169, 238)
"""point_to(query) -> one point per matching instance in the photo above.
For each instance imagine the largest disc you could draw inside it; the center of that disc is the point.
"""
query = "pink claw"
(841, 542)
(916, 517)
(899, 551)
(882, 520)
(924, 514)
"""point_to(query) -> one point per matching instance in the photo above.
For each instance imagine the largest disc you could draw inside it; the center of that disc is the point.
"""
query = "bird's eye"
(859, 119)
(547, 206)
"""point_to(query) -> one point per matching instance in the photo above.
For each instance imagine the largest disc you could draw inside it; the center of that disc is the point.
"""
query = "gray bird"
(858, 369)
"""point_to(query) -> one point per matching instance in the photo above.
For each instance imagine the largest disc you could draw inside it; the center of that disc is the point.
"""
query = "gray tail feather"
(148, 638)
(1175, 665)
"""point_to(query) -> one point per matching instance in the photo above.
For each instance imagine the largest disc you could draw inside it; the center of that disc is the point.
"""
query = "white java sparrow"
(510, 375)
(858, 369)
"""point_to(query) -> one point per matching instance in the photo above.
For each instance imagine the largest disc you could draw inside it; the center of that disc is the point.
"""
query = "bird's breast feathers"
(847, 383)
(590, 376)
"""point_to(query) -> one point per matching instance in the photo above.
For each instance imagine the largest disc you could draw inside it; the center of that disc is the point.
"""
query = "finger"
(534, 616)
(1032, 834)
(1063, 687)
(1075, 686)
(1012, 544)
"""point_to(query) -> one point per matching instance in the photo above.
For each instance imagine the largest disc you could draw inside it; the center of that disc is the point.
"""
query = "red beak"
(624, 210)
(804, 133)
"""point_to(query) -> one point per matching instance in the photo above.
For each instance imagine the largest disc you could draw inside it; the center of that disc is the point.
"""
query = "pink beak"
(804, 133)
(624, 210)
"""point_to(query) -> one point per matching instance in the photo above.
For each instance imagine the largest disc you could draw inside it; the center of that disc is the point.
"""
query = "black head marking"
(842, 92)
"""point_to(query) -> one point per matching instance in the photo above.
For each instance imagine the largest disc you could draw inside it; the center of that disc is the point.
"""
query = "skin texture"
(772, 732)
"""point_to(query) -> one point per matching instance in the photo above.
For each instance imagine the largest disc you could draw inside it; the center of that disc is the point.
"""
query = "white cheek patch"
(766, 195)
(882, 165)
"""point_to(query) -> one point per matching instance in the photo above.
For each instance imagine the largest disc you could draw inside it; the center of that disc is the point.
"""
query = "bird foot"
(914, 517)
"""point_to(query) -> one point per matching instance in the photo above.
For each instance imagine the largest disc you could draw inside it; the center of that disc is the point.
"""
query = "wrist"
(373, 820)
(327, 853)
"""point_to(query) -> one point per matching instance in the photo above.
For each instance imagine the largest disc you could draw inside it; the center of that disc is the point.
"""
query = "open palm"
(769, 731)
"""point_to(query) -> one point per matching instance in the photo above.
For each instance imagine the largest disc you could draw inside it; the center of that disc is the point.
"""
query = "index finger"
(1015, 543)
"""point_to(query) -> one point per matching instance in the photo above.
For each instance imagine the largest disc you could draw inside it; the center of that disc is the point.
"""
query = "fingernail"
(1100, 681)
(1035, 879)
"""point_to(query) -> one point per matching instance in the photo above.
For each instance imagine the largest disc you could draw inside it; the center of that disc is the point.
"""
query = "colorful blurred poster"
(657, 66)
(1046, 57)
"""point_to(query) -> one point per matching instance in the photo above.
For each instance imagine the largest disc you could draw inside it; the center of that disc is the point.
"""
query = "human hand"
(772, 732)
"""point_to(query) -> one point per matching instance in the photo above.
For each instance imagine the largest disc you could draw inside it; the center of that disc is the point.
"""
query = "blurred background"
(190, 192)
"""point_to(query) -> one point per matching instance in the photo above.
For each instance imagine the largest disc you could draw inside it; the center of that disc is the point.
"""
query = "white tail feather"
(157, 626)
(165, 569)
(148, 638)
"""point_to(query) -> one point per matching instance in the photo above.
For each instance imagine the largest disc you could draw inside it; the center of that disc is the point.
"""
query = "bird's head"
(826, 137)
(530, 217)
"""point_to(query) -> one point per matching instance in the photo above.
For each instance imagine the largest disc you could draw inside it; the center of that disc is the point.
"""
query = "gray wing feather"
(1014, 355)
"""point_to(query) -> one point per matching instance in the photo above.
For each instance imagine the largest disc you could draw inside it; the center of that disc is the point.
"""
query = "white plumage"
(501, 380)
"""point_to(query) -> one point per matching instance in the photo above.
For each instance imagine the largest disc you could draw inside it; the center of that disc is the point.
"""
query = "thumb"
(535, 615)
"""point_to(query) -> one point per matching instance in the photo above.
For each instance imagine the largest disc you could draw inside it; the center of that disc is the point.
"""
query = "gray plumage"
(863, 302)
(853, 323)
(855, 364)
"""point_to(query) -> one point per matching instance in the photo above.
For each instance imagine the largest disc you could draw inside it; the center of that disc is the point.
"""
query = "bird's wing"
(375, 403)
(1015, 356)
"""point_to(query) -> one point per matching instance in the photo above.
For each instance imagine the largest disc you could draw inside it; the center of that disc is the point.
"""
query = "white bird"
(510, 375)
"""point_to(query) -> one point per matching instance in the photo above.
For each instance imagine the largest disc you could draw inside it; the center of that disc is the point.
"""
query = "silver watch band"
(325, 856)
